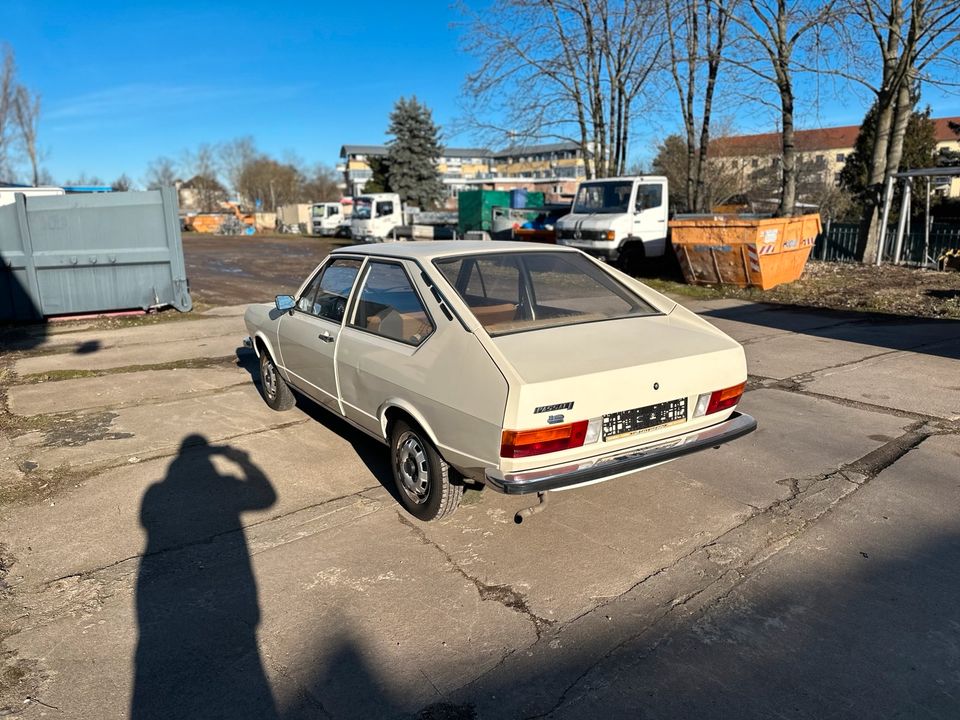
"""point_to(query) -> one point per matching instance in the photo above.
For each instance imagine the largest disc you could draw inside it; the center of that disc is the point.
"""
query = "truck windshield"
(362, 208)
(317, 211)
(603, 197)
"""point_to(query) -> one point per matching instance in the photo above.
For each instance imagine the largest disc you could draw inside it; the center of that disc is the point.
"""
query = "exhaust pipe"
(527, 512)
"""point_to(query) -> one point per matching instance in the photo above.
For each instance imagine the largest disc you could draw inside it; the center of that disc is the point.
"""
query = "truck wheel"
(421, 475)
(631, 258)
(276, 393)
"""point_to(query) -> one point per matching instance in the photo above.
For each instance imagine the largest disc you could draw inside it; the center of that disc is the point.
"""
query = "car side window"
(389, 306)
(384, 208)
(326, 295)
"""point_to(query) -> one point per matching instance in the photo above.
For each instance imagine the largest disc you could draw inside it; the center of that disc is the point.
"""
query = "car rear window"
(518, 291)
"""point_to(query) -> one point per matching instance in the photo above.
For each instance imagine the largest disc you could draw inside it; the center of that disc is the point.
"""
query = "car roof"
(428, 250)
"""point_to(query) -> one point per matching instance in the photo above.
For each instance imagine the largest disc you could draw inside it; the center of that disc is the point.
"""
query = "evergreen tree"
(379, 181)
(412, 155)
(919, 145)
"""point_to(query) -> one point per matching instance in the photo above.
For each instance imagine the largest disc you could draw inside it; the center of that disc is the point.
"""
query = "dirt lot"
(227, 270)
(234, 270)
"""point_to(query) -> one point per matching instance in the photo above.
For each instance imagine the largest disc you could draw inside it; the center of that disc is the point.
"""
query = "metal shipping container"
(91, 253)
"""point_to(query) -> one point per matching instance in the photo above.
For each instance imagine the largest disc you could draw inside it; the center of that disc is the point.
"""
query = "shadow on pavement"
(895, 332)
(196, 598)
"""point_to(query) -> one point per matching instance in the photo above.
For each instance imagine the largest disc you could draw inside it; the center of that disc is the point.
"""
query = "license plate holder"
(637, 420)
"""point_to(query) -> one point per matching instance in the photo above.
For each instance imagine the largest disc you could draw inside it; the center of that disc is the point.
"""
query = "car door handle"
(326, 336)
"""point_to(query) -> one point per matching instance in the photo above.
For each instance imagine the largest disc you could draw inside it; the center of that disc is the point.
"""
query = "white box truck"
(619, 220)
(375, 217)
(328, 218)
(8, 193)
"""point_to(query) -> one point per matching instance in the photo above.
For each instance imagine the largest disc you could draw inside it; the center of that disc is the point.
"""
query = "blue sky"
(125, 82)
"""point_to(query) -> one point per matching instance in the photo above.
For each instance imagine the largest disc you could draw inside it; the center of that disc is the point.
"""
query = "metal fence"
(71, 254)
(838, 242)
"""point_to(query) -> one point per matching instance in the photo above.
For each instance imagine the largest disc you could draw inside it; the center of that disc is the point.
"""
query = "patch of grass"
(190, 363)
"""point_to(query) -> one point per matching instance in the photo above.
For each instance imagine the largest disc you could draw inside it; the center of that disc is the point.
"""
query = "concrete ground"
(172, 548)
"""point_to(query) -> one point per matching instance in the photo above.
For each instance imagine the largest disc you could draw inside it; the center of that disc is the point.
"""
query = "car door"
(650, 213)
(388, 323)
(308, 334)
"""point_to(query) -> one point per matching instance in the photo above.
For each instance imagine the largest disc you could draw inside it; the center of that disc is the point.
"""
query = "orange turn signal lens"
(524, 443)
(725, 399)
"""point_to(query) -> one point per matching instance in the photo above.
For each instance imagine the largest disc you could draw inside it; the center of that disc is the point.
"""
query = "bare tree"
(771, 37)
(235, 156)
(26, 110)
(565, 69)
(161, 172)
(911, 43)
(203, 167)
(122, 183)
(696, 41)
(8, 85)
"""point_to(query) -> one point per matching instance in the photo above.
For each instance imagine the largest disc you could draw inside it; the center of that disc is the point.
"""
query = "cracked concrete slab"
(152, 353)
(381, 626)
(118, 390)
(872, 587)
(790, 442)
(99, 522)
(784, 356)
(927, 383)
(89, 340)
(143, 431)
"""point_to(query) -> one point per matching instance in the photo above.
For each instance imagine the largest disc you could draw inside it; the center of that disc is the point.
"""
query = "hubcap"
(269, 378)
(413, 468)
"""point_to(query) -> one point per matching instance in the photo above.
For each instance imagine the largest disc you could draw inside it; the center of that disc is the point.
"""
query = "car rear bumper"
(606, 467)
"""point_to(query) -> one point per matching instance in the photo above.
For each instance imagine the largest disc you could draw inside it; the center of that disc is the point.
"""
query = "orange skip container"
(743, 251)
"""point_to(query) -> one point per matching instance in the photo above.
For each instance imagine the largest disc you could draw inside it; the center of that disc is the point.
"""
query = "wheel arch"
(397, 409)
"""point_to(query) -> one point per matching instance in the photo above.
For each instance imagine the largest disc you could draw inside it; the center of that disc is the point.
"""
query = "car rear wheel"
(276, 392)
(422, 477)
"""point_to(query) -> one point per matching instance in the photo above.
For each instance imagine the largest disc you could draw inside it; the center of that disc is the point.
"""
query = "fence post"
(826, 239)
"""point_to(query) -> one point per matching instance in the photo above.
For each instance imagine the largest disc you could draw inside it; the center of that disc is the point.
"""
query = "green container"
(474, 208)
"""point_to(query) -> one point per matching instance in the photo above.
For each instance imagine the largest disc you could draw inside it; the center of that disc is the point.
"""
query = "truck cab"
(326, 218)
(618, 220)
(375, 216)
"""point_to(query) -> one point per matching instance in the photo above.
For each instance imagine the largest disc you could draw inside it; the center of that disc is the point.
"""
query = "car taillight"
(725, 399)
(524, 443)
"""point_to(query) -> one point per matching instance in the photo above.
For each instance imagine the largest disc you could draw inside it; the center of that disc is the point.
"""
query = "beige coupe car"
(522, 367)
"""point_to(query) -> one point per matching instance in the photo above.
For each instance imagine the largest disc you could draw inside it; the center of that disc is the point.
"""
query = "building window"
(755, 162)
(836, 179)
(841, 157)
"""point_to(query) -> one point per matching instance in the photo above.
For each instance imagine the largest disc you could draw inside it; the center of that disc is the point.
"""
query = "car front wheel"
(276, 392)
(422, 477)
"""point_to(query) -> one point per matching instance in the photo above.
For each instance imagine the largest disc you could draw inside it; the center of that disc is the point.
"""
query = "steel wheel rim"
(413, 468)
(269, 373)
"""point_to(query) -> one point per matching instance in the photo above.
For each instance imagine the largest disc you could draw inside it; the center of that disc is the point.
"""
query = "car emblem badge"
(577, 235)
(554, 419)
(551, 408)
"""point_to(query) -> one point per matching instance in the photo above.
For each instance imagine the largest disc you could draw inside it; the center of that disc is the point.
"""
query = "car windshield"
(362, 208)
(518, 291)
(603, 197)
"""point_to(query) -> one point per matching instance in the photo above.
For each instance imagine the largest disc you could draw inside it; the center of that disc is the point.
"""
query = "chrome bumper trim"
(605, 467)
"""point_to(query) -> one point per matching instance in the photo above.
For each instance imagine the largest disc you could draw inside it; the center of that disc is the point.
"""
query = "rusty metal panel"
(93, 253)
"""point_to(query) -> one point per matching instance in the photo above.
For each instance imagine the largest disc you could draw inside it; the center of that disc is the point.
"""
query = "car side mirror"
(285, 303)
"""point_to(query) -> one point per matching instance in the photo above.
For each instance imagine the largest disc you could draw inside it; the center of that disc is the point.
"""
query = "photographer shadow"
(196, 597)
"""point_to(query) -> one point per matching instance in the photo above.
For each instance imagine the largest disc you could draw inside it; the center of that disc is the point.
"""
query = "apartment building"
(462, 168)
(824, 151)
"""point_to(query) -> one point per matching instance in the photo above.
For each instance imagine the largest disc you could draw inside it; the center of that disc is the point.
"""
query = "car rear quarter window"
(517, 291)
(389, 306)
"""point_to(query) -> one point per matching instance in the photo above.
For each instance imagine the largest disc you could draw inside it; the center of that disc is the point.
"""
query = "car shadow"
(197, 605)
(371, 452)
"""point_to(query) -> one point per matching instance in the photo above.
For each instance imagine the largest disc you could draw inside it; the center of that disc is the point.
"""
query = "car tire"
(422, 477)
(276, 393)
